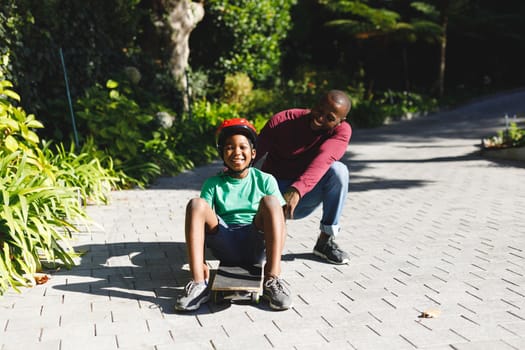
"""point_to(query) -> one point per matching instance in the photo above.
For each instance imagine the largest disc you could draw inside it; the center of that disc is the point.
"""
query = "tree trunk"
(183, 17)
(442, 58)
(444, 10)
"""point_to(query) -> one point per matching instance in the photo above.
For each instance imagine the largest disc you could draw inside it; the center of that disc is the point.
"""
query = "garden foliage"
(512, 136)
(41, 195)
(143, 137)
(246, 36)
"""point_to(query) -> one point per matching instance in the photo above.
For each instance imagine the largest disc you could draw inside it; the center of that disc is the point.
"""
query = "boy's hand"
(292, 197)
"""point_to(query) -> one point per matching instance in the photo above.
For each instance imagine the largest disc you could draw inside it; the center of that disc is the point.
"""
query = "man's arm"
(330, 151)
(263, 145)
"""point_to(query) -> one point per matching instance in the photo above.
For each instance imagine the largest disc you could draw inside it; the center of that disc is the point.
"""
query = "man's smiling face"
(327, 115)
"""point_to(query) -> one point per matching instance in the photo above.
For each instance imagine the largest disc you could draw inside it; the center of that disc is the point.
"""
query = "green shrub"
(37, 212)
(366, 114)
(262, 104)
(399, 104)
(511, 136)
(307, 84)
(93, 177)
(237, 88)
(120, 127)
(247, 35)
(514, 135)
(196, 136)
(389, 106)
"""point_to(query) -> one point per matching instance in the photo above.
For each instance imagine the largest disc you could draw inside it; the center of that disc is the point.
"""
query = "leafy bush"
(37, 220)
(512, 136)
(398, 104)
(309, 82)
(389, 106)
(237, 87)
(90, 172)
(262, 104)
(119, 126)
(197, 135)
(366, 114)
(37, 212)
(246, 37)
(97, 38)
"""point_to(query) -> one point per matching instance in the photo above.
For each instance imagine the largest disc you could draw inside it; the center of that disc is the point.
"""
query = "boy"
(239, 216)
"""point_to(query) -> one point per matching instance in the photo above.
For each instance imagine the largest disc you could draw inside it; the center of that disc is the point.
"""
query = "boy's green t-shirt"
(236, 200)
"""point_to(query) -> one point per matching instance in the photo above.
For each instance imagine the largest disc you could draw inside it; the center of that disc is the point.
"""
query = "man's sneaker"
(329, 250)
(277, 294)
(196, 294)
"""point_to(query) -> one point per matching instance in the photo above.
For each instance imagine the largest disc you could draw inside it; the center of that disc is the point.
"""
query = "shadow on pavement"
(506, 163)
(373, 183)
(146, 272)
(152, 273)
(462, 158)
(360, 183)
(302, 256)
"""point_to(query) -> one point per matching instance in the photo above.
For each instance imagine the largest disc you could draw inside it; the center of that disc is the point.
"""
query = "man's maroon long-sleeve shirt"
(296, 152)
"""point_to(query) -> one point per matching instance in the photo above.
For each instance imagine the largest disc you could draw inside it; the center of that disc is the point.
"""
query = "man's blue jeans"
(331, 191)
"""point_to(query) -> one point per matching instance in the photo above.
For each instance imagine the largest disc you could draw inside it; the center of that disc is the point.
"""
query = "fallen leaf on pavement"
(41, 278)
(430, 313)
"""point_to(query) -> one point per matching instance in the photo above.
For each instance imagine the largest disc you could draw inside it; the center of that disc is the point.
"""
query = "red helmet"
(232, 127)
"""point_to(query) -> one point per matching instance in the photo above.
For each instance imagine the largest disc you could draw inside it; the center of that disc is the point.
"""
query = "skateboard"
(237, 283)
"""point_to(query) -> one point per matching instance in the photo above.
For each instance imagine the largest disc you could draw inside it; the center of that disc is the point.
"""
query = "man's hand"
(292, 197)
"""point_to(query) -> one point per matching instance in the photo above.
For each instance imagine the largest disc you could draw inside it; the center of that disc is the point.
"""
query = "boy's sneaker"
(329, 250)
(196, 294)
(277, 294)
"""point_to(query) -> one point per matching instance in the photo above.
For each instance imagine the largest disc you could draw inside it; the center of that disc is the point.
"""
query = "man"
(303, 148)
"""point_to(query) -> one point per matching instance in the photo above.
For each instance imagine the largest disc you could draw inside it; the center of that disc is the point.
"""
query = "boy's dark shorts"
(237, 244)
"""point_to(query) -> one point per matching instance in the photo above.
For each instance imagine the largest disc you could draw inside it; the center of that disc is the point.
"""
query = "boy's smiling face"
(238, 154)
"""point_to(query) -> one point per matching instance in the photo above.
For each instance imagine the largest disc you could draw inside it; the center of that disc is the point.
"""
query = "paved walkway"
(430, 225)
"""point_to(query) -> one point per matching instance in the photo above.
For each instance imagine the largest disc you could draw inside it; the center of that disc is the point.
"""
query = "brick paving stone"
(137, 340)
(241, 341)
(201, 338)
(25, 344)
(514, 342)
(192, 345)
(484, 345)
(71, 330)
(135, 327)
(20, 337)
(89, 342)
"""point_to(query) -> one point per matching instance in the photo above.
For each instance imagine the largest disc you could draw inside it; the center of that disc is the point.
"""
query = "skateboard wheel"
(256, 298)
(218, 297)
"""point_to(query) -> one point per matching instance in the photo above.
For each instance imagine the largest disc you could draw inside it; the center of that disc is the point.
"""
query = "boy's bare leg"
(270, 220)
(200, 218)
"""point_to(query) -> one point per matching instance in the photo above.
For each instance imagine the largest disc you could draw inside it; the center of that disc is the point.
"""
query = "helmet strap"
(234, 173)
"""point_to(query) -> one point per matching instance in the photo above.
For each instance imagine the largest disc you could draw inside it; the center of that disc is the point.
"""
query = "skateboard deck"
(237, 283)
